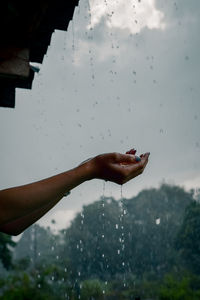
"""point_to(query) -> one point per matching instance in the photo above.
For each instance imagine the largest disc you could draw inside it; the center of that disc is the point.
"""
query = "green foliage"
(103, 242)
(36, 243)
(42, 283)
(5, 252)
(188, 238)
(23, 287)
(124, 248)
(92, 289)
(175, 288)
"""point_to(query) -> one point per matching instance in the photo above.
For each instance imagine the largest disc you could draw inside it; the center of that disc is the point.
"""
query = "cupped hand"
(117, 167)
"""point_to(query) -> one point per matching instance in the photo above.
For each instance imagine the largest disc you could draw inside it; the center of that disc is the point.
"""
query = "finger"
(145, 154)
(132, 151)
(140, 166)
(145, 159)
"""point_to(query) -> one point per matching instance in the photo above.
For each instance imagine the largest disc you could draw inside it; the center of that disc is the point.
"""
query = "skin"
(24, 205)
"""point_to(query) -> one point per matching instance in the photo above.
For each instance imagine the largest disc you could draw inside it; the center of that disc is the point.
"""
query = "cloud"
(104, 31)
(127, 15)
(192, 183)
(62, 219)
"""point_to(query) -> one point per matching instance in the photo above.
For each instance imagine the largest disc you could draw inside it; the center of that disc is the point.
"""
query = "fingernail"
(137, 158)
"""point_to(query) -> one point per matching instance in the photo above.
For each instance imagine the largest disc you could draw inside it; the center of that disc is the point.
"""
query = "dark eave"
(25, 30)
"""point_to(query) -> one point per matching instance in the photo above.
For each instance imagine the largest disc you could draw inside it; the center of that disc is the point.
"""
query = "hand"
(116, 167)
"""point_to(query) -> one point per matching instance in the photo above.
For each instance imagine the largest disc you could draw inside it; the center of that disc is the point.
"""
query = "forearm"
(19, 225)
(22, 206)
(28, 198)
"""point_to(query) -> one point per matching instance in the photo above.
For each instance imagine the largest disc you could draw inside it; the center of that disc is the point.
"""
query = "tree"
(92, 289)
(181, 287)
(6, 244)
(37, 244)
(188, 238)
(153, 220)
(134, 235)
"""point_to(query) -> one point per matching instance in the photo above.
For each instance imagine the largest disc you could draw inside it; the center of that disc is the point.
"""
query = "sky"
(125, 74)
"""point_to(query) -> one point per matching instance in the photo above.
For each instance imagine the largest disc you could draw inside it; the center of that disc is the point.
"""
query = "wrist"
(86, 171)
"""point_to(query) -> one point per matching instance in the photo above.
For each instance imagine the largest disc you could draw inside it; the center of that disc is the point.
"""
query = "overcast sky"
(125, 74)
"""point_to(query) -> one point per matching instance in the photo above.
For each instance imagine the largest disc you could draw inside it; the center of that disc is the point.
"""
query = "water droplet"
(157, 221)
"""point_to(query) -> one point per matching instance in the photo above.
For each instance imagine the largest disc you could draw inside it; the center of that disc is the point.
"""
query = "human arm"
(24, 205)
(19, 225)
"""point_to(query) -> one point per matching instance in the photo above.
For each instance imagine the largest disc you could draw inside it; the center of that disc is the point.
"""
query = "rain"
(122, 75)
